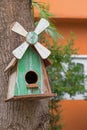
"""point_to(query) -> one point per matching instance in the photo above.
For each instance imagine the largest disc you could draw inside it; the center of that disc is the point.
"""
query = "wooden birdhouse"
(28, 77)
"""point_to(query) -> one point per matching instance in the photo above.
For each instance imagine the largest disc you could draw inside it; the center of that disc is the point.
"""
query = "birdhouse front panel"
(29, 74)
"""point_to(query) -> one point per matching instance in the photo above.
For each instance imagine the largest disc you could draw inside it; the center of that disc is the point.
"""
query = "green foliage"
(53, 32)
(43, 10)
(65, 75)
(55, 115)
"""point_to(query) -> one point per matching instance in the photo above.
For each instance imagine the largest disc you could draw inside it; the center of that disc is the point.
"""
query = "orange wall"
(74, 115)
(67, 8)
(80, 31)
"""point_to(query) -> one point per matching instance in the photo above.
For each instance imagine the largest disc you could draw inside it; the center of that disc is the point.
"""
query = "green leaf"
(52, 31)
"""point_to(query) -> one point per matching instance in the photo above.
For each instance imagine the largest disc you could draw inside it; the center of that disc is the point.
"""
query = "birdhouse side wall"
(12, 83)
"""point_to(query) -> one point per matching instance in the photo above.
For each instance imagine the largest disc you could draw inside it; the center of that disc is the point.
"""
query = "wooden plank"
(12, 82)
(19, 51)
(43, 51)
(32, 85)
(47, 88)
(47, 62)
(10, 99)
(11, 64)
(42, 25)
(17, 28)
(33, 96)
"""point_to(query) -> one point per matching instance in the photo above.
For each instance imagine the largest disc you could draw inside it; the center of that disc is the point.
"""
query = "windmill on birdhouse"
(28, 77)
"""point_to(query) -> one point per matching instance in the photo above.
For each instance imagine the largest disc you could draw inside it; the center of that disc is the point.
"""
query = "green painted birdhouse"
(28, 77)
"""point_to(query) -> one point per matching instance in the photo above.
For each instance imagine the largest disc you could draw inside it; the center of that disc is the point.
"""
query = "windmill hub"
(31, 37)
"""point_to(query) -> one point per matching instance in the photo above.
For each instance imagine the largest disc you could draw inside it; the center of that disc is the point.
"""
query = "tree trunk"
(18, 115)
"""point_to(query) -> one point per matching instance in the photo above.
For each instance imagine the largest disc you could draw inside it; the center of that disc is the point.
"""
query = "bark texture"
(18, 115)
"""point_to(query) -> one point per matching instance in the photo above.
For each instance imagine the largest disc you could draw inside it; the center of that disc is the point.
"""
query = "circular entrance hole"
(31, 77)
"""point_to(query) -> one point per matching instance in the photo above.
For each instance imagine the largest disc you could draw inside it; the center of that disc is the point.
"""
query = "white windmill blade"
(18, 28)
(43, 51)
(19, 51)
(42, 25)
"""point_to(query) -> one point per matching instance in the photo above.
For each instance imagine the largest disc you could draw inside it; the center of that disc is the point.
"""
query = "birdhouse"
(28, 77)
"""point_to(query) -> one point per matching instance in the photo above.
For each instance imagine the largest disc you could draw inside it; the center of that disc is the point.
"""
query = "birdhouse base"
(32, 97)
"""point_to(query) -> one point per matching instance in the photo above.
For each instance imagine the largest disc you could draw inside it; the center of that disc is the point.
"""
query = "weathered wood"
(32, 85)
(38, 96)
(19, 51)
(43, 51)
(33, 97)
(11, 64)
(19, 29)
(12, 82)
(47, 62)
(18, 115)
(47, 88)
(42, 25)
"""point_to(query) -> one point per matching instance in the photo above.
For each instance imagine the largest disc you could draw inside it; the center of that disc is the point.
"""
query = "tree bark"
(17, 115)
